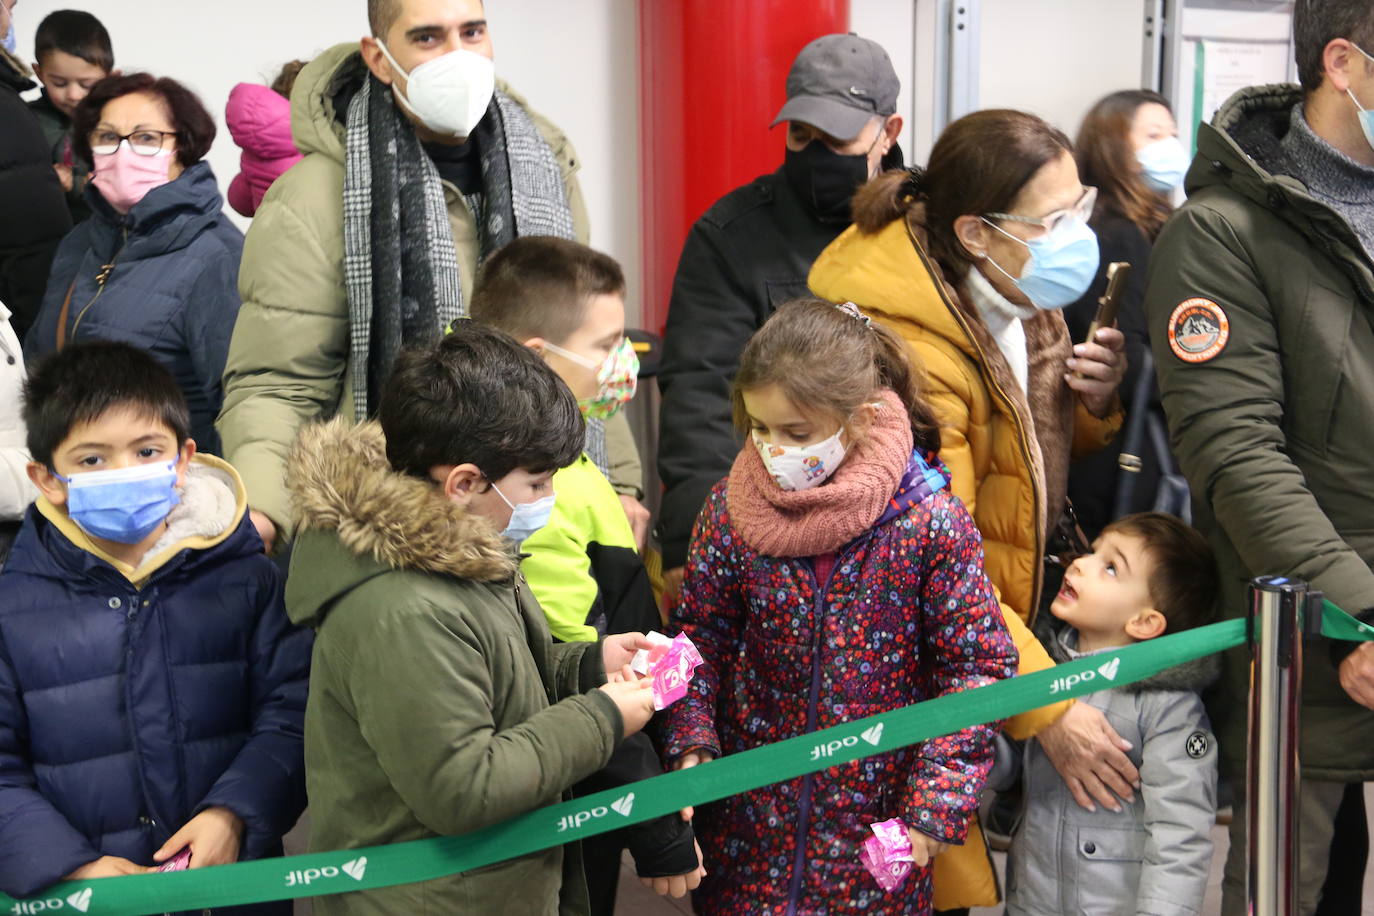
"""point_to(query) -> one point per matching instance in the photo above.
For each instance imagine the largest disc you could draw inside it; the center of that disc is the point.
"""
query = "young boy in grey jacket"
(1148, 575)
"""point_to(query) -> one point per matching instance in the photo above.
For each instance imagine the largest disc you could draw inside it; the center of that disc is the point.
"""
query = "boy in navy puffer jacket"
(152, 691)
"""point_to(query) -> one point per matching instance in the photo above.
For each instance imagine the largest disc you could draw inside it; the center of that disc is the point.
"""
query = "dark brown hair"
(827, 360)
(478, 396)
(1184, 582)
(978, 165)
(1106, 160)
(74, 32)
(1316, 23)
(539, 286)
(84, 381)
(194, 127)
(286, 79)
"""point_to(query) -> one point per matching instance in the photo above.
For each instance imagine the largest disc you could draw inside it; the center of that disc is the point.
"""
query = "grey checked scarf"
(401, 270)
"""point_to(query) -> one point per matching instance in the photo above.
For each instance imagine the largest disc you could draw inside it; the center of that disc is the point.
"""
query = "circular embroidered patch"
(1197, 745)
(1198, 330)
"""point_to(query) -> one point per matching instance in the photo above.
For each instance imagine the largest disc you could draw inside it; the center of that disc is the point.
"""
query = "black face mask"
(825, 180)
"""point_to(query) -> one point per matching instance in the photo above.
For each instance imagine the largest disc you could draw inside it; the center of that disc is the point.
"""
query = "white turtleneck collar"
(1003, 318)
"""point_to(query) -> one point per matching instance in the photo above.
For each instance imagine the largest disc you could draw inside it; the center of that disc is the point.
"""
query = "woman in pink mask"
(157, 263)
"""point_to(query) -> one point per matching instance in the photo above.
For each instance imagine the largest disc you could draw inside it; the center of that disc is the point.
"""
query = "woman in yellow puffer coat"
(971, 261)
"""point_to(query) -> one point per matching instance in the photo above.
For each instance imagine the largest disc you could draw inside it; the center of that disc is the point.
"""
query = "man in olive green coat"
(1261, 313)
(299, 351)
(438, 703)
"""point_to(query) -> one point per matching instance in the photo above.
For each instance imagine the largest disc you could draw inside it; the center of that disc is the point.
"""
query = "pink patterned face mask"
(887, 854)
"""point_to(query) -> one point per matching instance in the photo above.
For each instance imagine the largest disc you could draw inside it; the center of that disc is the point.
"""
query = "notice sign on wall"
(1225, 50)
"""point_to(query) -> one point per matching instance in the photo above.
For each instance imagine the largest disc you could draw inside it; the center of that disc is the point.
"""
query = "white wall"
(1055, 58)
(574, 59)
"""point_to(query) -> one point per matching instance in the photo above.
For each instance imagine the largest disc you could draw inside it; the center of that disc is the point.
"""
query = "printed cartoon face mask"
(123, 505)
(617, 378)
(801, 467)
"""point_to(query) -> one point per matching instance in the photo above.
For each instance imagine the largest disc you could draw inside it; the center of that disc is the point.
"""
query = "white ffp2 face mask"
(449, 94)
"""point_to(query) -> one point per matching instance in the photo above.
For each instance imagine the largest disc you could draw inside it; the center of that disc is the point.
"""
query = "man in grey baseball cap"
(751, 252)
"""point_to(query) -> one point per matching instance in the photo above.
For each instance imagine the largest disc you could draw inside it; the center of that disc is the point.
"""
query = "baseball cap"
(838, 83)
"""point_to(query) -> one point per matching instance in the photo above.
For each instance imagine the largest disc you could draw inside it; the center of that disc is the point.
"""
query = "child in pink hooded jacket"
(259, 118)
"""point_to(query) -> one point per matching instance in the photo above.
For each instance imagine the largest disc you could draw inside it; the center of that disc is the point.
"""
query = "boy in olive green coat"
(438, 704)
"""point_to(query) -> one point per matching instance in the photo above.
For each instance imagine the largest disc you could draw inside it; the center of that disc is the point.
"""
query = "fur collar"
(340, 481)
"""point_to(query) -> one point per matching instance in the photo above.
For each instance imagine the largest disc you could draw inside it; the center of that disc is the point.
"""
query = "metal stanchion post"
(1271, 791)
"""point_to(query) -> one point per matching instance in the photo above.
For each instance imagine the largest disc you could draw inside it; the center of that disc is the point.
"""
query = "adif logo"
(873, 734)
(622, 806)
(79, 901)
(1107, 670)
(356, 868)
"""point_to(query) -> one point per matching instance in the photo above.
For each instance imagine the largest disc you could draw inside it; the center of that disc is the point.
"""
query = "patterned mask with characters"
(617, 377)
(801, 467)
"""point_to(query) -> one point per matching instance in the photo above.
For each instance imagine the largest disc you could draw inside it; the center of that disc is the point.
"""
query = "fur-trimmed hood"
(1196, 675)
(340, 481)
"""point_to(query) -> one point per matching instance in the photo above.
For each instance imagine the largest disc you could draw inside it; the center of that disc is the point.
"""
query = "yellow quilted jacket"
(989, 442)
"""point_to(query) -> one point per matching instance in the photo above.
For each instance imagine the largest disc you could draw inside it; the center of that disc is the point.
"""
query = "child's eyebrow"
(1122, 557)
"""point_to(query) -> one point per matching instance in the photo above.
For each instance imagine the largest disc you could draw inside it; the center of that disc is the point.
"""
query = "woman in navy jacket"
(157, 263)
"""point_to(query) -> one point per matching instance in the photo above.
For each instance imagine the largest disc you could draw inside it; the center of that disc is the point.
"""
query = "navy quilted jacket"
(126, 711)
(172, 289)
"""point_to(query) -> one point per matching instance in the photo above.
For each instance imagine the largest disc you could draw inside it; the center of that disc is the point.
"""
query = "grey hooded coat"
(1154, 856)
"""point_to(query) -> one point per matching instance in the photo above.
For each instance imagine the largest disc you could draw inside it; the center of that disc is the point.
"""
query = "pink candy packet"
(887, 854)
(179, 862)
(670, 663)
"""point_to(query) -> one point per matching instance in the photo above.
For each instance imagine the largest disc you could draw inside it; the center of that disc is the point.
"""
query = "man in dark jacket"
(751, 252)
(1260, 305)
(28, 185)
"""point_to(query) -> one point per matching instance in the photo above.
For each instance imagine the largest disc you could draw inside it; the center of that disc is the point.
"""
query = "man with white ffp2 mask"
(341, 243)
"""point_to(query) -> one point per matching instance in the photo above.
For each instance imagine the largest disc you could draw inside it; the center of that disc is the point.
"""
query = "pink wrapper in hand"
(643, 662)
(887, 854)
(179, 862)
(673, 671)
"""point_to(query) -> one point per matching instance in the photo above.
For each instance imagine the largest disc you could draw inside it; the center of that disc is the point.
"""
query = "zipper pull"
(104, 274)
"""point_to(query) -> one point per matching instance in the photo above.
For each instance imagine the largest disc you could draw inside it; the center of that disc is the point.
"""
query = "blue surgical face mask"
(11, 39)
(1061, 267)
(525, 518)
(123, 505)
(1163, 164)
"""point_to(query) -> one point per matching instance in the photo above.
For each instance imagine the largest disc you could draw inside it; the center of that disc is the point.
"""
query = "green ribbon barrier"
(318, 874)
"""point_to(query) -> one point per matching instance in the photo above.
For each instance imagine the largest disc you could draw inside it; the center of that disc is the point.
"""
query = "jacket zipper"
(1022, 438)
(812, 714)
(100, 279)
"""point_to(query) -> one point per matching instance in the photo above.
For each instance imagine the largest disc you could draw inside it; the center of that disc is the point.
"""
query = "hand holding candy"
(670, 662)
(888, 853)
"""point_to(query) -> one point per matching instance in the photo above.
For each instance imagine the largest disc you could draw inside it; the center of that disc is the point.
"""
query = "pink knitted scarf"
(804, 523)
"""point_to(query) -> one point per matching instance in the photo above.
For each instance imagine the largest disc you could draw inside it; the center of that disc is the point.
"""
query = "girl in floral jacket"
(832, 576)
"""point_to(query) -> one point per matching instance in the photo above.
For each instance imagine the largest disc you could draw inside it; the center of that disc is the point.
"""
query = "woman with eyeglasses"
(156, 265)
(972, 261)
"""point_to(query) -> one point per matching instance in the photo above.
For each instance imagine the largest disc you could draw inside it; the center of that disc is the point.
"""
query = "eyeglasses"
(1083, 210)
(144, 142)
